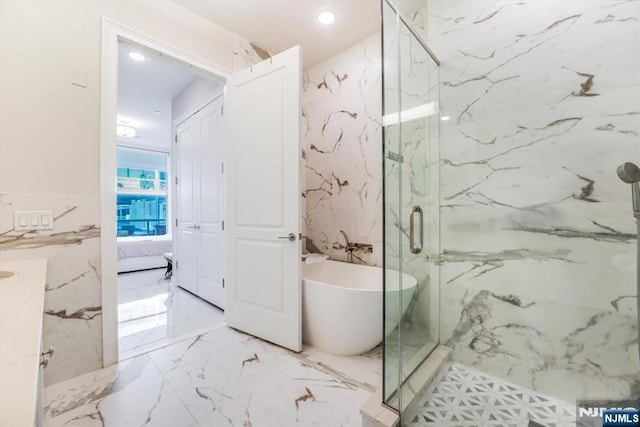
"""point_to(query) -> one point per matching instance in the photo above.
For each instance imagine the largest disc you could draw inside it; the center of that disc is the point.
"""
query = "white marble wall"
(343, 138)
(72, 308)
(246, 53)
(538, 239)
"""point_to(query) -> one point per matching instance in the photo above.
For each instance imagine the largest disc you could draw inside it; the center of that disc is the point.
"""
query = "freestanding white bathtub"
(342, 305)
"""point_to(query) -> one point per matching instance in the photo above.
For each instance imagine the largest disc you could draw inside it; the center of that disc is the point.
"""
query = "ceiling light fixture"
(445, 118)
(157, 112)
(326, 17)
(124, 130)
(137, 56)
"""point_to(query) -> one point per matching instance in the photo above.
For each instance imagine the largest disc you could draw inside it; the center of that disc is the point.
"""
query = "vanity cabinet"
(45, 357)
(22, 289)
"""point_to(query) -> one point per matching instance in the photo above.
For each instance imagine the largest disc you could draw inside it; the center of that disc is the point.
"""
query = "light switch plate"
(32, 220)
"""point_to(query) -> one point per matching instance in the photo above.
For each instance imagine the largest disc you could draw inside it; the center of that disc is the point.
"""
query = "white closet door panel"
(188, 262)
(187, 237)
(187, 146)
(210, 284)
(211, 204)
(210, 165)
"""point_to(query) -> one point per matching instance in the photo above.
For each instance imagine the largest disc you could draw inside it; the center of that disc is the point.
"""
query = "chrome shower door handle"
(412, 243)
(290, 237)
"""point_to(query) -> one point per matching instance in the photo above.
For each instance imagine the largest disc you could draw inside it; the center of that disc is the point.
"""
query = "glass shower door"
(411, 202)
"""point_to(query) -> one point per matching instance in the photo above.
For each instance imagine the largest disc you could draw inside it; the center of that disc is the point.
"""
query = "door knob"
(291, 237)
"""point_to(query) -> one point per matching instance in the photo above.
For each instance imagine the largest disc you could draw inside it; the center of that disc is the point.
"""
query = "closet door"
(210, 204)
(187, 147)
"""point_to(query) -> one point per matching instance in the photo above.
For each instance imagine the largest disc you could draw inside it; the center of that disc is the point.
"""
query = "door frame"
(112, 33)
(213, 96)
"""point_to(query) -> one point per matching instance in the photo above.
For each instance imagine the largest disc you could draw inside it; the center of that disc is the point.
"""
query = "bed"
(142, 253)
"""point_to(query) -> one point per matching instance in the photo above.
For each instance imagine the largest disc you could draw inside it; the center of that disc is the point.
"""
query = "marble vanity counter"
(21, 308)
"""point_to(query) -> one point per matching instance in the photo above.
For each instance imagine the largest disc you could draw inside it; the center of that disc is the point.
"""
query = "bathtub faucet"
(350, 247)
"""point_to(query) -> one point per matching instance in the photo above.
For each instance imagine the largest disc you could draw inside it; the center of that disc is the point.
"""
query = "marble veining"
(341, 153)
(246, 53)
(538, 239)
(221, 378)
(73, 306)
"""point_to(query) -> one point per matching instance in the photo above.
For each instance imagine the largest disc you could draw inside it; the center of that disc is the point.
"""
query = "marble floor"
(463, 397)
(153, 312)
(221, 378)
(227, 378)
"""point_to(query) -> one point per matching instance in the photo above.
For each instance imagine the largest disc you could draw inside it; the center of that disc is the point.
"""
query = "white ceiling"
(146, 87)
(277, 25)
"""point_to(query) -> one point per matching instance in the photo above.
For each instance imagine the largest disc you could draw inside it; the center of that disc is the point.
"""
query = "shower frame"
(409, 165)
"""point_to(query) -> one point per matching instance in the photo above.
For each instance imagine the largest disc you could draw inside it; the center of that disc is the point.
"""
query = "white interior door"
(263, 161)
(210, 255)
(185, 255)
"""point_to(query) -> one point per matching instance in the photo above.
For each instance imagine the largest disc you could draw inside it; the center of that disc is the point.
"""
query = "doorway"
(262, 163)
(162, 102)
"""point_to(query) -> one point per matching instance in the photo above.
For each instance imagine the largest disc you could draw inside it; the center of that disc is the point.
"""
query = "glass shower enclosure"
(411, 199)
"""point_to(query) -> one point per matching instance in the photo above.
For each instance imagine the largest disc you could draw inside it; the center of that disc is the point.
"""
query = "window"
(142, 192)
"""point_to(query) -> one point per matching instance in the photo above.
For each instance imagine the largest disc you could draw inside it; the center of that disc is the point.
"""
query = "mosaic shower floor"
(464, 397)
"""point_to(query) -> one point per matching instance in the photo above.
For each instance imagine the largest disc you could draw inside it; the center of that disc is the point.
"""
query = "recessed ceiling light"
(326, 17)
(445, 118)
(137, 56)
(157, 113)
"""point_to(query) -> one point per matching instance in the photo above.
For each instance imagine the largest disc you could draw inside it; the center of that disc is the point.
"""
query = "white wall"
(49, 138)
(193, 94)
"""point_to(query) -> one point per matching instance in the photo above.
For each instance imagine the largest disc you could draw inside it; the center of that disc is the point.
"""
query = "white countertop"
(21, 311)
